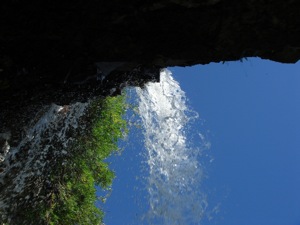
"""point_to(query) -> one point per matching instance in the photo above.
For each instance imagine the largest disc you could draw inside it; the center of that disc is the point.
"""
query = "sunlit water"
(175, 174)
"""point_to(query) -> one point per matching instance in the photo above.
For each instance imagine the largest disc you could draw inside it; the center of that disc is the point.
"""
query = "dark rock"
(53, 51)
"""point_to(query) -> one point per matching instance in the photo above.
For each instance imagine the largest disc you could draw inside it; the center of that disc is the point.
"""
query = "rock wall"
(64, 51)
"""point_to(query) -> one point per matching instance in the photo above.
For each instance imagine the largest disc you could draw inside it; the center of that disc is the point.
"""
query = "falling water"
(175, 174)
(45, 141)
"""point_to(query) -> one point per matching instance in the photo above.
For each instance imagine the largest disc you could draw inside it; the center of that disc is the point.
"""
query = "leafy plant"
(72, 196)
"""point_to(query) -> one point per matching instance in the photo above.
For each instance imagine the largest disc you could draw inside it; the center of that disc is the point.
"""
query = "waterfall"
(26, 167)
(175, 174)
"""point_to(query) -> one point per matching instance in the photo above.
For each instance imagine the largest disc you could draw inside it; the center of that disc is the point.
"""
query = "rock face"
(55, 42)
(64, 51)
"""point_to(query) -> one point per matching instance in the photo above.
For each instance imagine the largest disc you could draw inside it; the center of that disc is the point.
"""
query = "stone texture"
(50, 50)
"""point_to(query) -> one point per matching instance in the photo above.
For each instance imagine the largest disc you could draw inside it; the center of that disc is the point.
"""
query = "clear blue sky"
(251, 114)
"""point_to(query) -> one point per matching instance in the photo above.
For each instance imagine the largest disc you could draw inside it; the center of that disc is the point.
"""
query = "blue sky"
(250, 114)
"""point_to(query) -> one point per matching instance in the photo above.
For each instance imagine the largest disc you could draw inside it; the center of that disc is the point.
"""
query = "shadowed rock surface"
(52, 45)
(63, 52)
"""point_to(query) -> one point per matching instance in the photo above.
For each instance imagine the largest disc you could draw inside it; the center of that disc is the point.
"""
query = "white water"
(47, 139)
(175, 174)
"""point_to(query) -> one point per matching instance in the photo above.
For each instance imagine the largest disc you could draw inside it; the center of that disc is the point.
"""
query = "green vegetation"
(73, 195)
